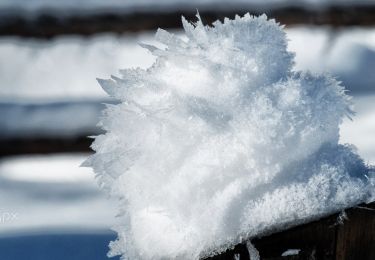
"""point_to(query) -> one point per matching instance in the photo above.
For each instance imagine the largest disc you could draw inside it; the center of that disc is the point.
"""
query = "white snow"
(48, 88)
(222, 140)
(45, 169)
(361, 131)
(64, 69)
(51, 193)
(348, 54)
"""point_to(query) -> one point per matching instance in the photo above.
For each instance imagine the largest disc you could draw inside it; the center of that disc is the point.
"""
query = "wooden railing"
(51, 23)
(19, 146)
(332, 238)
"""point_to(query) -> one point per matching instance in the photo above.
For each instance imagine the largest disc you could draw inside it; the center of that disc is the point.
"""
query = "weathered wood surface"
(51, 23)
(11, 147)
(326, 239)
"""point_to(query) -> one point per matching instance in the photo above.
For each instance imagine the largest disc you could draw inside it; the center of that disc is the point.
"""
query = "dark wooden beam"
(22, 146)
(52, 23)
(325, 239)
(356, 238)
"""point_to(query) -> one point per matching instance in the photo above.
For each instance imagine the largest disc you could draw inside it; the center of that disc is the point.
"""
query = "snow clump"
(220, 140)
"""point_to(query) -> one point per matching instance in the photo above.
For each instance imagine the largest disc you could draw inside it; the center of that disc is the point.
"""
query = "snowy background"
(49, 88)
(46, 83)
(131, 5)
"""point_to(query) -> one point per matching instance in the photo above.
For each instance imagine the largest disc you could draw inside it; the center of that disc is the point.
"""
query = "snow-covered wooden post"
(222, 140)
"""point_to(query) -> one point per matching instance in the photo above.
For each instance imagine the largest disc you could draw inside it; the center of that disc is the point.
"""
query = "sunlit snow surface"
(220, 141)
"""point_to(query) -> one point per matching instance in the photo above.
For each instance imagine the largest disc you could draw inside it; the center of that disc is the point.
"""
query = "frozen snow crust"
(220, 141)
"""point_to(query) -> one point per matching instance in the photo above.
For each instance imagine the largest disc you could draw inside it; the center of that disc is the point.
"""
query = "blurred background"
(51, 53)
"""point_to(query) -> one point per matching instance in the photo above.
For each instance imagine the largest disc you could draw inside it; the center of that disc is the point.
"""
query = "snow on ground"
(64, 69)
(246, 144)
(46, 83)
(361, 131)
(42, 193)
(347, 54)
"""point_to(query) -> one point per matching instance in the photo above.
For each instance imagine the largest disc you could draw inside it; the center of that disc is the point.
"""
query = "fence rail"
(331, 238)
(52, 23)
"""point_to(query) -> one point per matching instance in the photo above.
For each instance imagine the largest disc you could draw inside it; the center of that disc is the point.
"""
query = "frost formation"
(220, 141)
